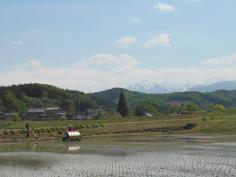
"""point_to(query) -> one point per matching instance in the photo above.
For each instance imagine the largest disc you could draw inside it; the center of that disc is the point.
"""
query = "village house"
(89, 114)
(47, 113)
(35, 113)
(54, 112)
(5, 116)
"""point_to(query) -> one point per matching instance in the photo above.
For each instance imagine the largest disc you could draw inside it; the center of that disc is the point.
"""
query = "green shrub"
(204, 119)
(88, 126)
(95, 126)
(189, 126)
(101, 125)
(15, 117)
(36, 131)
(63, 118)
(82, 126)
(59, 132)
(12, 132)
(42, 130)
(216, 107)
(78, 127)
(57, 129)
(62, 129)
(21, 132)
(5, 132)
(48, 130)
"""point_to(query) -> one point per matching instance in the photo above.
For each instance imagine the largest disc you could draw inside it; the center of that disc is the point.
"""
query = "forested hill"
(18, 98)
(166, 102)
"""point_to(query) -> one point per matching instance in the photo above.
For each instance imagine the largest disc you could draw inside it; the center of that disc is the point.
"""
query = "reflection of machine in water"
(41, 146)
(60, 148)
(73, 148)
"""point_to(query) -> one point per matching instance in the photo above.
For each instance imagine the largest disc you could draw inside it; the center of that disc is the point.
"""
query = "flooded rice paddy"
(131, 156)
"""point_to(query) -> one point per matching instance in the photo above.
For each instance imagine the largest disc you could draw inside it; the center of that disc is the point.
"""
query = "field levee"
(214, 122)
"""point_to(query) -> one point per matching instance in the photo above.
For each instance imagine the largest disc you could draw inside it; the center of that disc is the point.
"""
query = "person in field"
(27, 130)
(70, 128)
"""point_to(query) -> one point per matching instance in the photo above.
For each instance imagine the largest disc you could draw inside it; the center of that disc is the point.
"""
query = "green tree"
(15, 117)
(192, 107)
(71, 112)
(188, 108)
(145, 107)
(216, 107)
(2, 107)
(69, 107)
(122, 107)
(11, 102)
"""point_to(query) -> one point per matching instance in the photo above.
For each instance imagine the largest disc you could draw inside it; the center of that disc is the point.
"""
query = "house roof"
(36, 110)
(52, 109)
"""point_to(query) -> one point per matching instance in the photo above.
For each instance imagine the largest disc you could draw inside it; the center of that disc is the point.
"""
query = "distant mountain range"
(150, 87)
(18, 98)
(224, 85)
(164, 102)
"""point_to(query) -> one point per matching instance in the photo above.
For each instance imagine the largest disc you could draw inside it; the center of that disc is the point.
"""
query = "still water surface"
(179, 156)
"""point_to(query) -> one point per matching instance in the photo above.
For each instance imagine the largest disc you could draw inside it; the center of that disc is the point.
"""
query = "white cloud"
(221, 61)
(19, 43)
(136, 20)
(162, 7)
(125, 41)
(161, 40)
(108, 62)
(34, 62)
(105, 71)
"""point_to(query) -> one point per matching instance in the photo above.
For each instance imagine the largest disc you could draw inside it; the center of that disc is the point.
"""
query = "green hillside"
(18, 98)
(167, 102)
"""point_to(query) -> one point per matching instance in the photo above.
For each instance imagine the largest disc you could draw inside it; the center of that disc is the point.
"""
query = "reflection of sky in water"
(24, 160)
(123, 158)
(121, 145)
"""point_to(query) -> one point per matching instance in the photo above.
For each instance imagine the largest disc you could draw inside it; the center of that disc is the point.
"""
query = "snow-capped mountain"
(151, 87)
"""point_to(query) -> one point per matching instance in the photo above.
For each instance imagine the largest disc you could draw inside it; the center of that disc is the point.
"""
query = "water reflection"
(112, 146)
(40, 147)
(25, 160)
(73, 148)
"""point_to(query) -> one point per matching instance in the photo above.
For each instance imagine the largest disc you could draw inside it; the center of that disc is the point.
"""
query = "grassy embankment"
(214, 122)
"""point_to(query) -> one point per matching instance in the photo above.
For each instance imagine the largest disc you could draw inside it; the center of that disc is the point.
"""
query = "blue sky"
(94, 45)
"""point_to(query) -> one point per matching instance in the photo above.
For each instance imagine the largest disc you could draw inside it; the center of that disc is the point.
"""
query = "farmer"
(70, 127)
(27, 130)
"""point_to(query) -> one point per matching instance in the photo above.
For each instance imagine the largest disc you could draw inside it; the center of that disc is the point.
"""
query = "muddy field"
(124, 156)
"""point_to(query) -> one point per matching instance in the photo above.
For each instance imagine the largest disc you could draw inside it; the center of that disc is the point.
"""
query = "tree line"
(19, 98)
